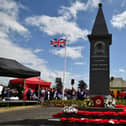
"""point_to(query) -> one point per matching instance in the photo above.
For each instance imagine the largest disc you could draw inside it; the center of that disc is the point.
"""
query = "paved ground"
(35, 116)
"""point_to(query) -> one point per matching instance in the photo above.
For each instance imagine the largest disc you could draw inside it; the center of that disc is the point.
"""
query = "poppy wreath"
(98, 101)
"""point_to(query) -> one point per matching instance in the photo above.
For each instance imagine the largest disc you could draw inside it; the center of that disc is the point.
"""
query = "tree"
(82, 85)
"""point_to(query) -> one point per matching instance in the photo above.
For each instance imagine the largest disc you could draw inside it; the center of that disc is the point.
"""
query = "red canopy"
(31, 83)
(32, 80)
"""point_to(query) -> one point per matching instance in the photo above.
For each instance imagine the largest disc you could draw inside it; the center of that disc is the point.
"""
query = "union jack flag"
(58, 42)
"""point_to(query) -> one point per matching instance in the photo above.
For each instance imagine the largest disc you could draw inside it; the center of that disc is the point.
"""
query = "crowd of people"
(43, 93)
(53, 93)
(8, 93)
(50, 94)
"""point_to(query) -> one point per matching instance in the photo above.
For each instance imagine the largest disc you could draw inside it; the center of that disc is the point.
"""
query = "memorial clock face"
(99, 48)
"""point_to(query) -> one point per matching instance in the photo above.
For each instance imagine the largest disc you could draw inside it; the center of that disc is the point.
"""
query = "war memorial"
(100, 40)
(104, 110)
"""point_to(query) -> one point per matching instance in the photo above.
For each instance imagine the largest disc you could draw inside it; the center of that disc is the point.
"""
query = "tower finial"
(100, 4)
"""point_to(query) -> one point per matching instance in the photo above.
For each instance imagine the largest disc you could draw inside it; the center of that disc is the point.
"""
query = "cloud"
(38, 50)
(64, 25)
(9, 12)
(10, 23)
(122, 70)
(11, 50)
(58, 25)
(77, 6)
(71, 52)
(93, 3)
(3, 35)
(8, 49)
(9, 17)
(72, 11)
(10, 7)
(119, 20)
(79, 63)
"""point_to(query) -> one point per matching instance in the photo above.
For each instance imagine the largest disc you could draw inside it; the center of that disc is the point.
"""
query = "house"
(117, 84)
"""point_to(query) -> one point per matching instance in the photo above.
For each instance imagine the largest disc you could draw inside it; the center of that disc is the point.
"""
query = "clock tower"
(100, 41)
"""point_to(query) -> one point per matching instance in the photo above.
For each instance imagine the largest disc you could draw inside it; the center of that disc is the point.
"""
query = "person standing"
(28, 94)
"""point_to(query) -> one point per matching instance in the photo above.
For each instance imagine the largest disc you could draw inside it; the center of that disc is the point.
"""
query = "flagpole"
(64, 70)
(58, 43)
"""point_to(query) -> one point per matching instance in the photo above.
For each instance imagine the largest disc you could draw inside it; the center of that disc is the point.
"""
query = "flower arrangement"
(70, 109)
(110, 102)
(88, 102)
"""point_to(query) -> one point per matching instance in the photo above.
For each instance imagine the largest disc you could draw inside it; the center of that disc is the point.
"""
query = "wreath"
(98, 101)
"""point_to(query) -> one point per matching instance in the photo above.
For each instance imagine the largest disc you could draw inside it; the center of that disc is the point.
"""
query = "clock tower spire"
(100, 40)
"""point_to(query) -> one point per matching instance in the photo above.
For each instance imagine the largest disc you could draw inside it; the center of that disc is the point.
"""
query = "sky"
(27, 26)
